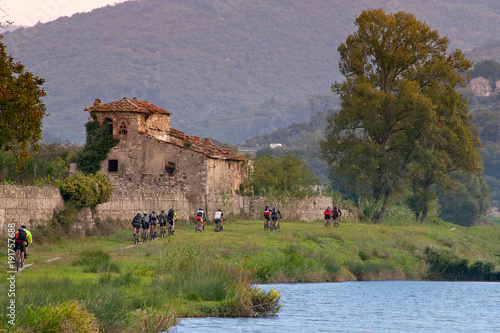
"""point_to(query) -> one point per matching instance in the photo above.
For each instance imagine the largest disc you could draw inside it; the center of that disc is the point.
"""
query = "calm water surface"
(389, 306)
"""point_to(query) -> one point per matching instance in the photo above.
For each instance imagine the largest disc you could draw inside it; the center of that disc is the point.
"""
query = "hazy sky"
(29, 12)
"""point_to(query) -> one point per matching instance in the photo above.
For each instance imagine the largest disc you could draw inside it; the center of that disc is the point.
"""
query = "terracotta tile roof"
(205, 146)
(128, 105)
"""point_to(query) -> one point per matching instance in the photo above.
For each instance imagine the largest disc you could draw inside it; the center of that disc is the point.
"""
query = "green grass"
(144, 288)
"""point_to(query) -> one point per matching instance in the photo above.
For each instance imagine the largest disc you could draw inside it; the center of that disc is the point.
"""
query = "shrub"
(445, 265)
(86, 190)
(96, 262)
(64, 317)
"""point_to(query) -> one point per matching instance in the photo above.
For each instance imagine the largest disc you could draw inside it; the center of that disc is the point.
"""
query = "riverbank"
(145, 288)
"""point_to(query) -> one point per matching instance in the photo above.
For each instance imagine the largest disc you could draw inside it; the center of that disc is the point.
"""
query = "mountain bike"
(136, 236)
(145, 234)
(19, 261)
(218, 225)
(152, 235)
(336, 221)
(163, 231)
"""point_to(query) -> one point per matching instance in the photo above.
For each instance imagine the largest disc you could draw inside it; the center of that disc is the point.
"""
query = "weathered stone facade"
(153, 155)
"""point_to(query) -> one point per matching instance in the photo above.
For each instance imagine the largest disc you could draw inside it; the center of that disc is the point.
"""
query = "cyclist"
(145, 225)
(336, 214)
(267, 216)
(136, 224)
(171, 218)
(152, 219)
(162, 218)
(26, 244)
(328, 216)
(200, 217)
(20, 238)
(274, 216)
(218, 219)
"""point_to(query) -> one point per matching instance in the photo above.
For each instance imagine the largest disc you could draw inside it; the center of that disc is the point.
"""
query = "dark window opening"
(113, 165)
(109, 122)
(229, 165)
(170, 168)
(123, 129)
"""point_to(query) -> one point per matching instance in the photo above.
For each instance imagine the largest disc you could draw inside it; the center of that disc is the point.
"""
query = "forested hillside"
(225, 69)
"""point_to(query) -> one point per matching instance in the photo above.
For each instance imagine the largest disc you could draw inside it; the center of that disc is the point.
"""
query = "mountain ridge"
(226, 69)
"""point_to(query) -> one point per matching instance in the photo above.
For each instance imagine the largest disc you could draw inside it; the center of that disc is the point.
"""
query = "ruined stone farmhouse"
(151, 154)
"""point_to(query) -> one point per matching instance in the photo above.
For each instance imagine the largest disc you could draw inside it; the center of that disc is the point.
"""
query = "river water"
(388, 306)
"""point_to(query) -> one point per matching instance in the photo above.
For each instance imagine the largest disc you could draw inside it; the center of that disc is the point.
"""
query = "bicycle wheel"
(18, 259)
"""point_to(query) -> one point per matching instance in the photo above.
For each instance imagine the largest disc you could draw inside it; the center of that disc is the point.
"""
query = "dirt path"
(46, 261)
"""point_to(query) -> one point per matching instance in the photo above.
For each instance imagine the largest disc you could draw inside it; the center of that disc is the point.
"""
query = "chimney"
(97, 102)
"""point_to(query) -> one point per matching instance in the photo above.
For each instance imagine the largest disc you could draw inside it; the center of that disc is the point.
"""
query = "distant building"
(151, 154)
(480, 86)
(275, 145)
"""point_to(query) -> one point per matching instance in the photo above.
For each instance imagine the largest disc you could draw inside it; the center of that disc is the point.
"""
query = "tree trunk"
(380, 216)
(424, 214)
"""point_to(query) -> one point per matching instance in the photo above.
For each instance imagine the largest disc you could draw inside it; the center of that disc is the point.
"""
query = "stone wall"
(32, 205)
(28, 205)
(125, 204)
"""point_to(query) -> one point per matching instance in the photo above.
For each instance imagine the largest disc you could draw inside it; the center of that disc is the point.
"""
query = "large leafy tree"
(21, 108)
(277, 177)
(402, 123)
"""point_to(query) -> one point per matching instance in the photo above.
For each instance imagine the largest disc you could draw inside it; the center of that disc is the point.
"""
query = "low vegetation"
(108, 284)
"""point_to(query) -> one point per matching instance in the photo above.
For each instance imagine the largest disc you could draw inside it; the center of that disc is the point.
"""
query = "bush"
(64, 317)
(445, 265)
(96, 262)
(86, 190)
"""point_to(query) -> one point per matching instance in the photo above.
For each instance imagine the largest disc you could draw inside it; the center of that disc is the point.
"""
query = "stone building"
(150, 154)
(480, 86)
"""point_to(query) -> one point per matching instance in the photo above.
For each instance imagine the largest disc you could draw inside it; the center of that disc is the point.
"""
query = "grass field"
(117, 287)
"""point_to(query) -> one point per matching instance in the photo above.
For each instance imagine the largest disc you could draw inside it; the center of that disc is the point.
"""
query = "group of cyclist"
(271, 216)
(201, 217)
(334, 213)
(149, 222)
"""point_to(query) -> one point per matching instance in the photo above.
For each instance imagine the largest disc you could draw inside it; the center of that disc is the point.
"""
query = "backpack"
(152, 217)
(335, 209)
(22, 235)
(171, 214)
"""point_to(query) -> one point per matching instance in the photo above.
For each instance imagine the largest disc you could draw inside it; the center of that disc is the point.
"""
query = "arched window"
(109, 122)
(123, 129)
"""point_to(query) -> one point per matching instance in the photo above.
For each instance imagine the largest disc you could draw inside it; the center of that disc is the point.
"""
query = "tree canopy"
(21, 108)
(402, 124)
(282, 176)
